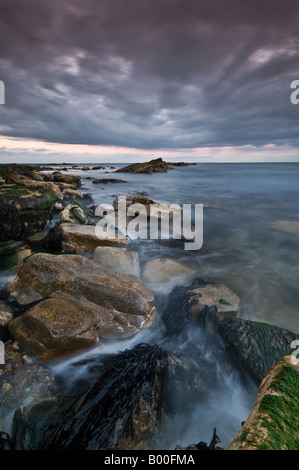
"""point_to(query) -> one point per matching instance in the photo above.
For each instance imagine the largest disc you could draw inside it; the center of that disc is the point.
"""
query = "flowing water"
(257, 259)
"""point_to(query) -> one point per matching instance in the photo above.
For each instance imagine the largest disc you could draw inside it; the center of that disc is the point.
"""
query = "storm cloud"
(150, 74)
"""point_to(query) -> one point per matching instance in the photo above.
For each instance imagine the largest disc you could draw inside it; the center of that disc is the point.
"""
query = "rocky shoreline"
(74, 291)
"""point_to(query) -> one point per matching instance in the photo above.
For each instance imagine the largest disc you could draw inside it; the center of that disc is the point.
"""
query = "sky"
(132, 80)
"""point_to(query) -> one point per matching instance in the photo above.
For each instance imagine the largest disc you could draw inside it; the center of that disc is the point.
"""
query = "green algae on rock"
(274, 421)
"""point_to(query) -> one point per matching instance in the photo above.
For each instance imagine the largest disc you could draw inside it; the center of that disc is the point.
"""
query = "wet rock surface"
(272, 424)
(57, 318)
(118, 260)
(123, 409)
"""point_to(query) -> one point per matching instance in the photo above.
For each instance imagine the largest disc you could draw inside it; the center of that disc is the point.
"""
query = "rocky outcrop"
(27, 200)
(68, 179)
(70, 302)
(124, 409)
(273, 422)
(118, 260)
(107, 180)
(154, 166)
(60, 189)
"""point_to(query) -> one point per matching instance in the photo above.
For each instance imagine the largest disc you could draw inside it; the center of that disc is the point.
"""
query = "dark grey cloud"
(150, 73)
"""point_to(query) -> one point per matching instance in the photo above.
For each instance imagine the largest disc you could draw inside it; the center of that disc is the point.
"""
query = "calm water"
(258, 262)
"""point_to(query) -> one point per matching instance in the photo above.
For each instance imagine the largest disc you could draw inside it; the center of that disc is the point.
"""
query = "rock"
(107, 180)
(209, 293)
(76, 213)
(11, 247)
(289, 226)
(21, 385)
(155, 211)
(118, 260)
(58, 206)
(58, 326)
(154, 166)
(30, 177)
(61, 318)
(200, 302)
(123, 409)
(53, 240)
(6, 316)
(5, 387)
(69, 179)
(180, 164)
(24, 212)
(256, 345)
(272, 424)
(82, 238)
(163, 273)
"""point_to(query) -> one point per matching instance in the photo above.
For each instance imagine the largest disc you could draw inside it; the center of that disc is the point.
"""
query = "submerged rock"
(107, 180)
(123, 409)
(21, 385)
(273, 422)
(70, 303)
(162, 273)
(118, 260)
(289, 226)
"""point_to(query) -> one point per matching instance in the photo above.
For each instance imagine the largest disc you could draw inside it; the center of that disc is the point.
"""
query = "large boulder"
(118, 259)
(123, 409)
(78, 238)
(71, 303)
(273, 422)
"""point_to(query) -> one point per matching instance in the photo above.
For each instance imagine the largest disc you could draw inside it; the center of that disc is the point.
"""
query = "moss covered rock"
(274, 420)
